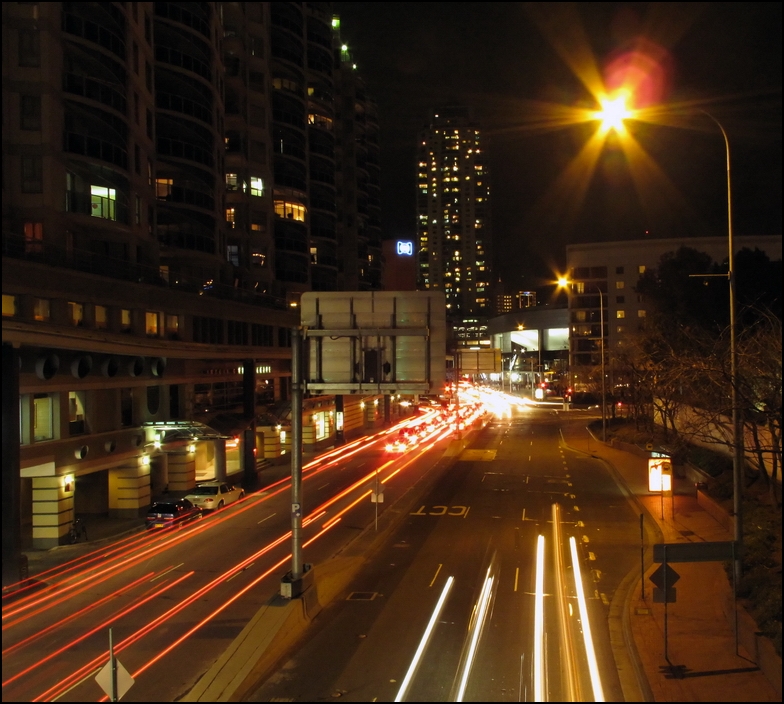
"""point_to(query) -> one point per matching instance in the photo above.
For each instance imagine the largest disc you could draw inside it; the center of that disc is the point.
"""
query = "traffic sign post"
(113, 678)
(665, 577)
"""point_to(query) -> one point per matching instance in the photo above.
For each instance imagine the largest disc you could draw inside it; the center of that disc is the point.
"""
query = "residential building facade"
(170, 187)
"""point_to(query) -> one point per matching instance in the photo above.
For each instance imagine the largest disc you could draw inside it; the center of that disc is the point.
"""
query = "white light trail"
(423, 642)
(593, 666)
(539, 623)
(481, 614)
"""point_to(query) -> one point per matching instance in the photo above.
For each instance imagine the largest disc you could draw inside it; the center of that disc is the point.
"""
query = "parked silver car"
(209, 496)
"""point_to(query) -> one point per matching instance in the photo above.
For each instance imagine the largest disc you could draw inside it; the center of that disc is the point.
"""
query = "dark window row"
(184, 150)
(177, 58)
(207, 330)
(173, 11)
(93, 32)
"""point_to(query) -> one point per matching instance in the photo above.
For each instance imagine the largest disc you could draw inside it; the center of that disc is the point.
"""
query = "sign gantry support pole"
(297, 394)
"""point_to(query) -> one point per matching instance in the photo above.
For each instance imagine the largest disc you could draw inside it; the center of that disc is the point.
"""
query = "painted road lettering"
(441, 511)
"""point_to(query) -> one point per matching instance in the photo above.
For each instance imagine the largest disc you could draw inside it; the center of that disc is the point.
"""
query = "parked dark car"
(164, 514)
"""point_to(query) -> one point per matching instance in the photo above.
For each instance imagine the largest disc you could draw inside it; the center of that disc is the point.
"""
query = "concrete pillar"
(220, 459)
(182, 471)
(271, 443)
(129, 489)
(52, 510)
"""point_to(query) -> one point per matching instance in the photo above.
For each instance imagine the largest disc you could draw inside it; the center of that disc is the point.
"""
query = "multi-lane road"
(174, 600)
(474, 594)
(485, 591)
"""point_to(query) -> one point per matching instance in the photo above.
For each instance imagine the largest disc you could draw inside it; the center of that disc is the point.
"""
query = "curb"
(635, 685)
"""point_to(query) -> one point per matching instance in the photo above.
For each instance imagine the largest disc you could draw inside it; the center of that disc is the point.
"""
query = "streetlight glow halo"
(614, 111)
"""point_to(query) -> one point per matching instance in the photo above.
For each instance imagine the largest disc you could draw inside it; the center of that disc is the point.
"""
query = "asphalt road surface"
(510, 626)
(176, 599)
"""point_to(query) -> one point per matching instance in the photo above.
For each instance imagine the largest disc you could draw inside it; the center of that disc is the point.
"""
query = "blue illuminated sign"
(406, 248)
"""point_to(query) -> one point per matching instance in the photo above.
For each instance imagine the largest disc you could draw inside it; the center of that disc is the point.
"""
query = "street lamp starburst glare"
(614, 111)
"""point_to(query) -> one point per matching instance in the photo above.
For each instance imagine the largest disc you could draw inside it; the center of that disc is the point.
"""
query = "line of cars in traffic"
(207, 496)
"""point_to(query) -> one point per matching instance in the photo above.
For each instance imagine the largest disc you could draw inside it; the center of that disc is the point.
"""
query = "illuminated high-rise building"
(453, 224)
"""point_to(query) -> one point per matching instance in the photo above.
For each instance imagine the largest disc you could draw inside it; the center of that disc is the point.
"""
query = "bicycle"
(77, 530)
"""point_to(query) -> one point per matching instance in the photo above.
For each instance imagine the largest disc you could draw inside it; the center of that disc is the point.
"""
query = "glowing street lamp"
(614, 111)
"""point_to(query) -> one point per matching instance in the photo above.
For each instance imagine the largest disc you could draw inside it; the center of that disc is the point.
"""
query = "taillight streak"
(81, 612)
(221, 608)
(151, 594)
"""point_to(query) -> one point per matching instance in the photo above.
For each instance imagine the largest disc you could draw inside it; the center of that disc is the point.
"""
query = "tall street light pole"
(612, 116)
(564, 283)
(737, 430)
(604, 388)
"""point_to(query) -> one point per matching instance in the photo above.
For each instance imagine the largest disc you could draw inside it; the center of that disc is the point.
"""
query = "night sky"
(516, 64)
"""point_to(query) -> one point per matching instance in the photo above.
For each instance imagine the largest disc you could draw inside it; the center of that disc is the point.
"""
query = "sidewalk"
(703, 665)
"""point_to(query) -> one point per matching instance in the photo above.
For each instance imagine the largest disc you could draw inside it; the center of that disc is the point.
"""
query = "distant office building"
(604, 275)
(453, 220)
(508, 302)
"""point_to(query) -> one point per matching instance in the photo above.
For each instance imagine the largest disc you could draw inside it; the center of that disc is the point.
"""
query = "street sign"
(695, 552)
(374, 341)
(659, 597)
(664, 574)
(124, 679)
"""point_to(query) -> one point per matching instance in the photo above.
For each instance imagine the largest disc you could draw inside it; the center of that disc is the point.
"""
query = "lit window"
(232, 184)
(172, 323)
(34, 236)
(43, 426)
(41, 309)
(233, 254)
(163, 188)
(641, 313)
(125, 319)
(76, 412)
(258, 258)
(641, 269)
(256, 186)
(100, 317)
(291, 211)
(619, 284)
(314, 255)
(320, 121)
(76, 312)
(151, 323)
(9, 306)
(103, 202)
(230, 216)
(620, 314)
(257, 227)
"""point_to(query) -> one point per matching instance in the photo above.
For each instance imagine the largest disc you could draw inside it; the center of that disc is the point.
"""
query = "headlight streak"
(81, 612)
(478, 623)
(161, 545)
(569, 676)
(424, 640)
(593, 666)
(143, 599)
(539, 684)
